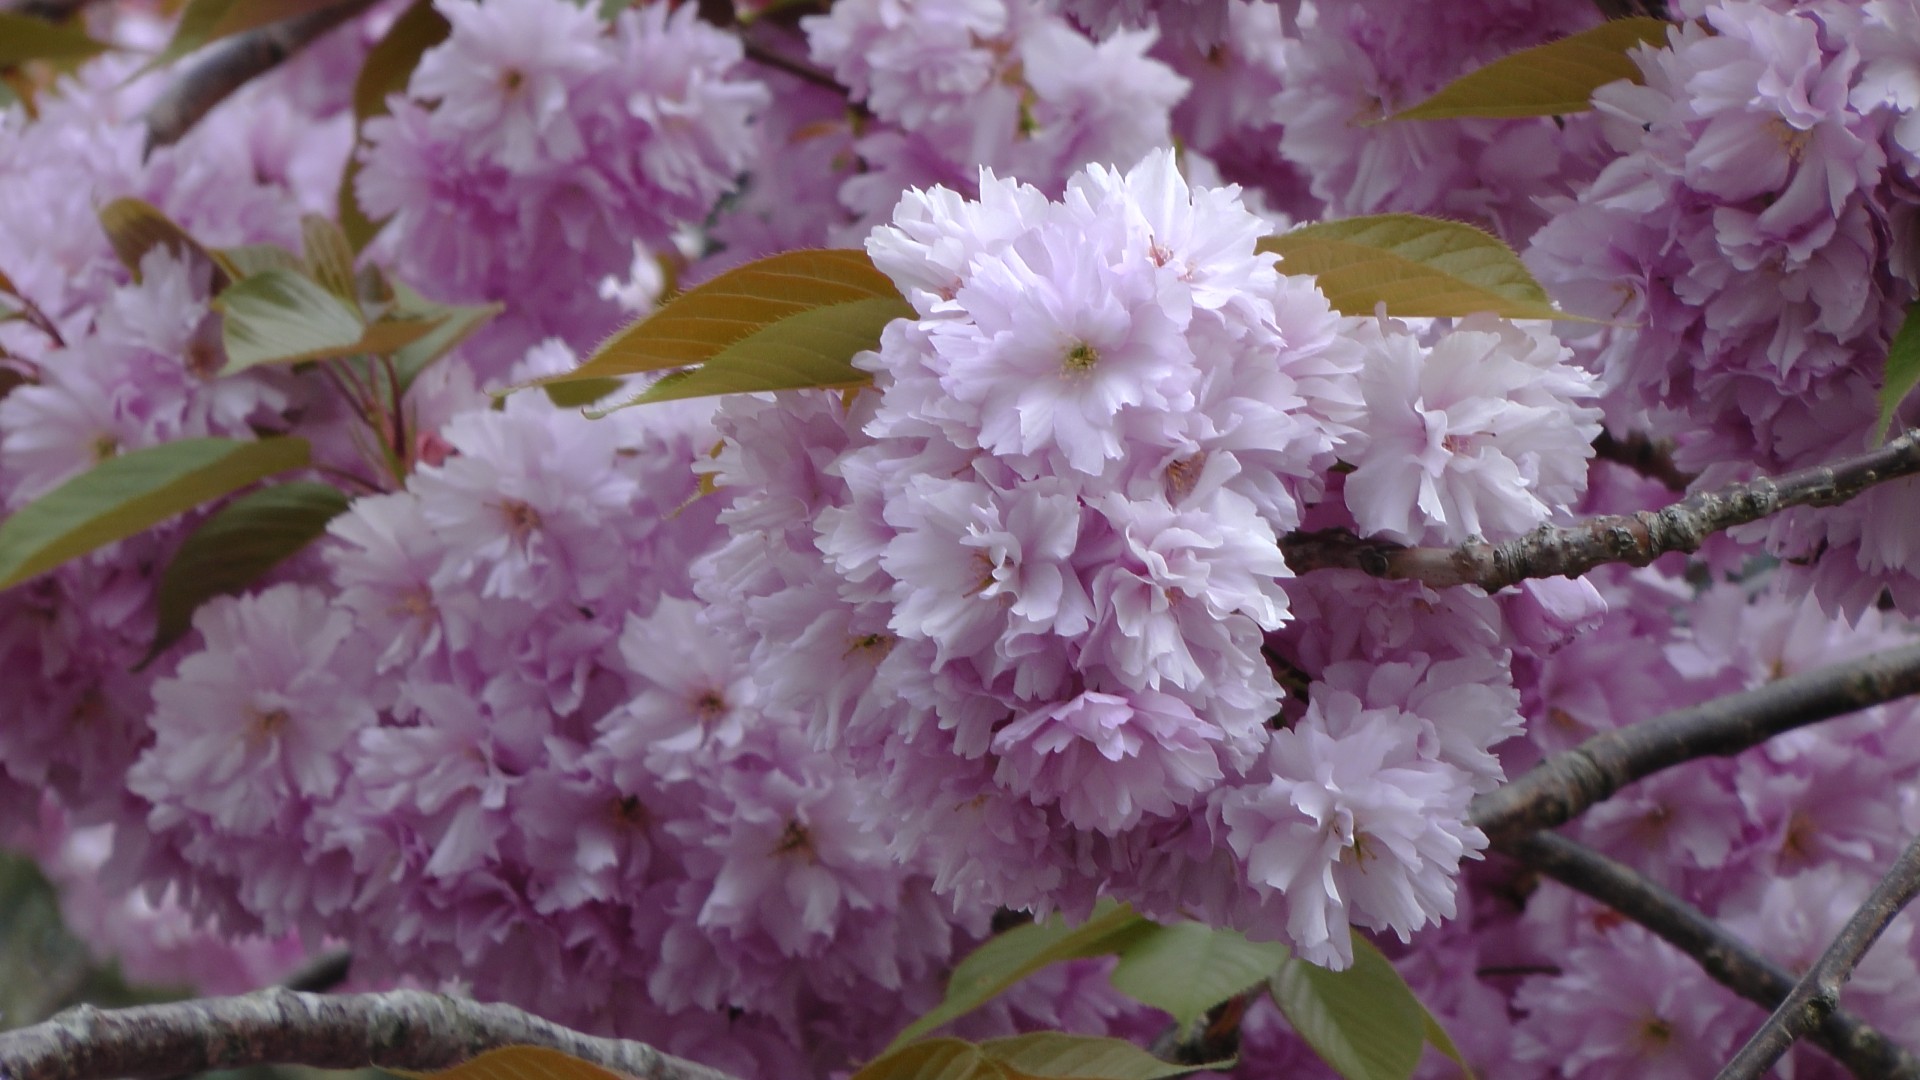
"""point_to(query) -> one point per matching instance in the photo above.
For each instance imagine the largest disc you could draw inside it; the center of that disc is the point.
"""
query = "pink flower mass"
(1140, 559)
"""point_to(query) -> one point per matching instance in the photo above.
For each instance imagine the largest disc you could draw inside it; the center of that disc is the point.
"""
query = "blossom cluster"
(535, 137)
(1031, 579)
(1748, 226)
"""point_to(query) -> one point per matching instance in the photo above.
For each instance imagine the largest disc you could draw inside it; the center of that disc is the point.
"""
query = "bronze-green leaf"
(135, 227)
(748, 307)
(280, 316)
(1902, 372)
(1547, 80)
(1045, 1055)
(236, 547)
(809, 350)
(930, 1059)
(131, 492)
(1010, 957)
(24, 38)
(1187, 968)
(388, 66)
(1364, 1021)
(1417, 266)
(520, 1063)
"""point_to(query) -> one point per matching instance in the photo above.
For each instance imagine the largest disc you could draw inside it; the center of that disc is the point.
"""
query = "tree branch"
(1863, 1049)
(230, 64)
(1816, 997)
(403, 1029)
(50, 10)
(1637, 539)
(1563, 786)
(1653, 460)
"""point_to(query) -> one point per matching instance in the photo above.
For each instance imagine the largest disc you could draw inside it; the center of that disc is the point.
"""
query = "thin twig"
(1566, 784)
(31, 313)
(321, 973)
(1637, 539)
(1863, 1049)
(1816, 997)
(403, 1029)
(1651, 459)
(230, 64)
(807, 73)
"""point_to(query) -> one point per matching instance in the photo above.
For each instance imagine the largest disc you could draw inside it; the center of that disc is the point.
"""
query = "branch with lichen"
(1864, 1050)
(401, 1029)
(229, 64)
(1566, 784)
(1636, 539)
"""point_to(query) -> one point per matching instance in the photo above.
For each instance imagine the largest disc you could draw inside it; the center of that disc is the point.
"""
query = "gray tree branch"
(404, 1029)
(1815, 999)
(1863, 1049)
(1636, 539)
(1563, 786)
(227, 65)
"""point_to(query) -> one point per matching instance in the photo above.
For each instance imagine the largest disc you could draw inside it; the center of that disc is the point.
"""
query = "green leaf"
(1437, 1037)
(1056, 1055)
(250, 259)
(454, 322)
(1547, 80)
(24, 38)
(1364, 1021)
(388, 66)
(1010, 957)
(835, 302)
(1187, 968)
(1902, 371)
(236, 547)
(810, 350)
(204, 22)
(329, 257)
(1417, 266)
(134, 228)
(134, 491)
(280, 316)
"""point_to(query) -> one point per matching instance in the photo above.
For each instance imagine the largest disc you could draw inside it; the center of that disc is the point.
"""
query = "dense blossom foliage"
(732, 725)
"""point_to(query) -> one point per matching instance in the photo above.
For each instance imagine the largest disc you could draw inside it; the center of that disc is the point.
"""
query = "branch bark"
(1637, 539)
(1816, 997)
(50, 10)
(228, 65)
(1565, 785)
(404, 1029)
(1863, 1049)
